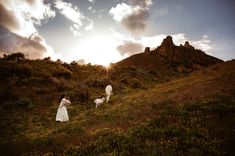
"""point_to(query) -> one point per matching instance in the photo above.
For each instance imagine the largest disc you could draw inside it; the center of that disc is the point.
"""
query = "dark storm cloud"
(11, 43)
(18, 19)
(137, 21)
(22, 16)
(7, 18)
(134, 16)
(142, 3)
(130, 48)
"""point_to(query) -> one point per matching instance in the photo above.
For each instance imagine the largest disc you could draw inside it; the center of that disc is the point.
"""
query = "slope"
(168, 59)
(189, 115)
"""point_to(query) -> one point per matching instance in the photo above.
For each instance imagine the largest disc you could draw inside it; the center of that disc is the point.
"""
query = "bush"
(15, 57)
(61, 71)
(96, 83)
(11, 69)
(136, 84)
(22, 103)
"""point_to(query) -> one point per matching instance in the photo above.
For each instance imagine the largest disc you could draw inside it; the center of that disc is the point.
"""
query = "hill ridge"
(170, 58)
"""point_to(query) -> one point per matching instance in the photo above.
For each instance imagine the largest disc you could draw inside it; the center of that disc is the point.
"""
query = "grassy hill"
(186, 114)
(168, 59)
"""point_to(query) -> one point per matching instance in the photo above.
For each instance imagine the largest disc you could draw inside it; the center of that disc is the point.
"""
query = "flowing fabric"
(62, 113)
(108, 91)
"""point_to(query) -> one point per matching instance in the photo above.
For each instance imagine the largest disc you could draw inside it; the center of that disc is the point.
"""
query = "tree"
(15, 57)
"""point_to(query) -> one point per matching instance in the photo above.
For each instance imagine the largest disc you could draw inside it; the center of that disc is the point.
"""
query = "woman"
(62, 114)
(108, 91)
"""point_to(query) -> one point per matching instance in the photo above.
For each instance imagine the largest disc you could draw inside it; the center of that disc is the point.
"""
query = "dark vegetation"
(155, 110)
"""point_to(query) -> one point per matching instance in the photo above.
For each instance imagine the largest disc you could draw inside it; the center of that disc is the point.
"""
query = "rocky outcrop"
(147, 50)
(168, 58)
(167, 47)
(187, 45)
(185, 55)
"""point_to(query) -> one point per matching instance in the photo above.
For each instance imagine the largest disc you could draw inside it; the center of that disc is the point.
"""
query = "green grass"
(191, 130)
(204, 127)
(190, 115)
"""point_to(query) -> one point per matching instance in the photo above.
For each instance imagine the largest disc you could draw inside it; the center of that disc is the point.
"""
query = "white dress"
(62, 113)
(108, 91)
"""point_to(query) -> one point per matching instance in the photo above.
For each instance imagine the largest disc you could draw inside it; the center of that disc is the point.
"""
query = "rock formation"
(168, 57)
(147, 50)
(167, 47)
(187, 45)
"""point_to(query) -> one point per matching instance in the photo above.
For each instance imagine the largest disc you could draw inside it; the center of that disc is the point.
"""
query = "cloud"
(92, 1)
(7, 18)
(136, 22)
(90, 8)
(130, 48)
(134, 16)
(81, 61)
(100, 13)
(141, 3)
(74, 15)
(35, 46)
(130, 45)
(89, 26)
(24, 15)
(18, 20)
(203, 44)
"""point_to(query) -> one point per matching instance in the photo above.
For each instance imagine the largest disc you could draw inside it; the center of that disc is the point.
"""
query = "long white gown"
(62, 113)
(108, 91)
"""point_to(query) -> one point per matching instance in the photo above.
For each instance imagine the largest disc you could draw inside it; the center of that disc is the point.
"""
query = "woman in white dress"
(108, 91)
(62, 113)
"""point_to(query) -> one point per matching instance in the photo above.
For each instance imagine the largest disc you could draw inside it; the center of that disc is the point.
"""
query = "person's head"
(67, 97)
(62, 96)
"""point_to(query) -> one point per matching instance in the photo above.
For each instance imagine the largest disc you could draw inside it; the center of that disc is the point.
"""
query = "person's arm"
(65, 102)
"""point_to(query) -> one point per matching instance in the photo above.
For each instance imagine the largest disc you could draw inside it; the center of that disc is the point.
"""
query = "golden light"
(107, 68)
(97, 49)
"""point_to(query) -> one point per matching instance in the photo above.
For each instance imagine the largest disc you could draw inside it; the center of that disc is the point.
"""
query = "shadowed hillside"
(166, 62)
(156, 109)
(169, 58)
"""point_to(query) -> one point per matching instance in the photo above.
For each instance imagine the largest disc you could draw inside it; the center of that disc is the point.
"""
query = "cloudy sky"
(104, 31)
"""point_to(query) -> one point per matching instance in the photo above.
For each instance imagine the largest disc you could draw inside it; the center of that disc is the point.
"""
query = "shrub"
(15, 57)
(61, 71)
(136, 84)
(22, 103)
(11, 69)
(96, 83)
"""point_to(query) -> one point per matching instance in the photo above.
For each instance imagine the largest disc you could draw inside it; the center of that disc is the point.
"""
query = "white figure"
(98, 102)
(62, 113)
(108, 91)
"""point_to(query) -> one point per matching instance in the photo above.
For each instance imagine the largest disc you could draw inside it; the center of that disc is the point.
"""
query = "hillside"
(169, 59)
(149, 88)
(187, 114)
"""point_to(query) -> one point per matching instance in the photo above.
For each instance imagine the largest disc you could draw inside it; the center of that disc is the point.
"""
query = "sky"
(107, 31)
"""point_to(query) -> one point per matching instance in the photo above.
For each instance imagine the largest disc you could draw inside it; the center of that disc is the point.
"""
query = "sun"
(97, 49)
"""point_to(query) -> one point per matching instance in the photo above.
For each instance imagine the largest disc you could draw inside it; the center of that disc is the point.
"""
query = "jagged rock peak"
(147, 49)
(167, 42)
(167, 47)
(187, 45)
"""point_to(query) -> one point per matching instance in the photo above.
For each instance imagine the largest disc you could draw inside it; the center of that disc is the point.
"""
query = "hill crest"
(170, 58)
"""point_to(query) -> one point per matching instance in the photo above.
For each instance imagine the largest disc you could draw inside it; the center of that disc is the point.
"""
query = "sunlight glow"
(97, 49)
